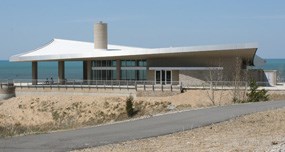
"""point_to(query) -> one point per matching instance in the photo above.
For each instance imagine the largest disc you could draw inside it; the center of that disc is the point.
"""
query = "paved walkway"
(143, 128)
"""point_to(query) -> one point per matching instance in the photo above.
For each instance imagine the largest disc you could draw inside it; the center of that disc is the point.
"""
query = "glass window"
(99, 74)
(104, 63)
(122, 75)
(131, 74)
(141, 75)
(114, 75)
(108, 63)
(106, 74)
(168, 77)
(157, 77)
(123, 63)
(129, 63)
(141, 64)
(114, 63)
(133, 63)
(163, 76)
(94, 63)
(99, 63)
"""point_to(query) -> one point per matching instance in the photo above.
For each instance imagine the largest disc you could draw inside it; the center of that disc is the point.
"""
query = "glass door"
(168, 78)
(157, 77)
(163, 77)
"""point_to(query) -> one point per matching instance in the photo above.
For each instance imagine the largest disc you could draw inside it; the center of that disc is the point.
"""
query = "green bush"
(256, 95)
(129, 106)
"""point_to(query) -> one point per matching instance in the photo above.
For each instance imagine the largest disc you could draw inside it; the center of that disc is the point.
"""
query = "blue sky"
(26, 25)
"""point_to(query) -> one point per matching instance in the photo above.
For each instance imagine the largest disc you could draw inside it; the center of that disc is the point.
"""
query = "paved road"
(153, 126)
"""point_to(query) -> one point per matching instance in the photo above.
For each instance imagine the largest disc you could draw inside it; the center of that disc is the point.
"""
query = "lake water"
(73, 69)
(23, 70)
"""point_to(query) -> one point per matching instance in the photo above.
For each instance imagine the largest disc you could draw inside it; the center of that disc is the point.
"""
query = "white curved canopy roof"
(59, 49)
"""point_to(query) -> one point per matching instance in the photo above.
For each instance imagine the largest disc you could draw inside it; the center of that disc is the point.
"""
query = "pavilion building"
(103, 61)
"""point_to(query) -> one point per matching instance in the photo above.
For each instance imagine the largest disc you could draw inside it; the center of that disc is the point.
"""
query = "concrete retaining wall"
(148, 90)
(193, 77)
(75, 91)
(198, 77)
(6, 91)
(156, 93)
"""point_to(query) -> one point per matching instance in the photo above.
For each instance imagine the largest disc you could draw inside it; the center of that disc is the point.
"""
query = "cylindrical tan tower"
(100, 36)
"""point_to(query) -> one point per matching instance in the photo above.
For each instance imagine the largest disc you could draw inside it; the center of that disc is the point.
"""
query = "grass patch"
(18, 129)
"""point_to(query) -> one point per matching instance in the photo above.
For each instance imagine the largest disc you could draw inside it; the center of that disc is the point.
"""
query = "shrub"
(55, 115)
(129, 106)
(256, 95)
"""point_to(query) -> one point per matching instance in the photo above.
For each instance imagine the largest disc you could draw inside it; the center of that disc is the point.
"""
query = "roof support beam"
(84, 70)
(61, 72)
(34, 73)
(87, 69)
(118, 72)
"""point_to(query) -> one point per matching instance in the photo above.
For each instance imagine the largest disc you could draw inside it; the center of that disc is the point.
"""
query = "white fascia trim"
(133, 68)
(103, 68)
(185, 68)
(122, 68)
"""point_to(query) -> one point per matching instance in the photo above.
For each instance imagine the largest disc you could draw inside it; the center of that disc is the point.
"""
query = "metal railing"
(134, 84)
(120, 84)
(6, 83)
(224, 85)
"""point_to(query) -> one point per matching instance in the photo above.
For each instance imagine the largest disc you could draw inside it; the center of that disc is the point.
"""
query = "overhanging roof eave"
(71, 50)
(250, 53)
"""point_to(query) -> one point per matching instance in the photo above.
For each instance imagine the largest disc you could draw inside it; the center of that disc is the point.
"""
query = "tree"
(240, 80)
(256, 95)
(215, 80)
(129, 106)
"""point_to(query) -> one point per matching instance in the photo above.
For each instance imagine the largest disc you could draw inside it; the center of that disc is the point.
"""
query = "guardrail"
(6, 83)
(120, 84)
(224, 85)
(134, 84)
